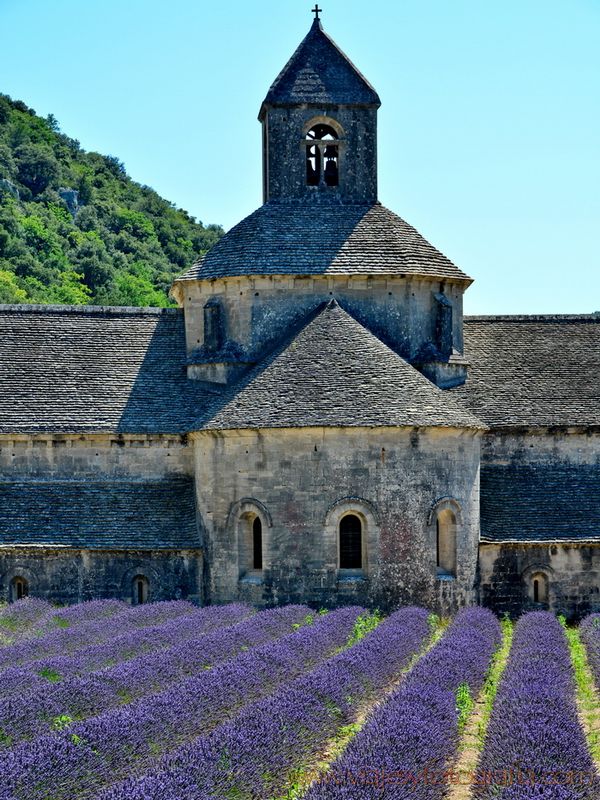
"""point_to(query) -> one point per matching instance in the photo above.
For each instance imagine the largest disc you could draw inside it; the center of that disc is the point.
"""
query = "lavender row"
(34, 713)
(35, 617)
(80, 760)
(92, 631)
(409, 742)
(254, 755)
(89, 610)
(34, 675)
(20, 619)
(534, 740)
(589, 631)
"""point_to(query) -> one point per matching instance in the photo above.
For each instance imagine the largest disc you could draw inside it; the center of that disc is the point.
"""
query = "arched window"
(19, 588)
(257, 559)
(351, 542)
(251, 544)
(539, 588)
(445, 542)
(322, 156)
(141, 588)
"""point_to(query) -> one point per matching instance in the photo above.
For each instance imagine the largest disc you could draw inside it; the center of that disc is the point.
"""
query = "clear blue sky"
(489, 132)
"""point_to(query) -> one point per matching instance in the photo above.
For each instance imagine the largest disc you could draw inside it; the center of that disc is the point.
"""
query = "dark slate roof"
(295, 238)
(549, 502)
(99, 514)
(319, 72)
(336, 373)
(67, 369)
(533, 370)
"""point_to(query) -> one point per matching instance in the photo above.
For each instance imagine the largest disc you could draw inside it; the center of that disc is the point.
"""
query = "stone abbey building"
(316, 422)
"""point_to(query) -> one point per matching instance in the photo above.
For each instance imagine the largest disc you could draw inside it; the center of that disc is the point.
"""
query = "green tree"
(9, 289)
(71, 290)
(37, 167)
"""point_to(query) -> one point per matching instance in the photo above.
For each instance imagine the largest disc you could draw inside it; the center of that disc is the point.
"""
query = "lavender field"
(168, 701)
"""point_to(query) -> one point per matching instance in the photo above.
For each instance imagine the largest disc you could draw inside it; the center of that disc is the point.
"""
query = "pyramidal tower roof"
(335, 373)
(319, 72)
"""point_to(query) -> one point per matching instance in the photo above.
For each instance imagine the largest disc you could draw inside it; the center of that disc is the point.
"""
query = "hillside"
(74, 228)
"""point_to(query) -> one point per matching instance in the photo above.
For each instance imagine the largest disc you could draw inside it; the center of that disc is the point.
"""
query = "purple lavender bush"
(589, 630)
(89, 610)
(409, 742)
(38, 711)
(254, 755)
(131, 642)
(21, 619)
(77, 762)
(86, 632)
(535, 746)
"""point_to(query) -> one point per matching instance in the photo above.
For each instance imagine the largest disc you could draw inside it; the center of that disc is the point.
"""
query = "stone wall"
(284, 153)
(572, 571)
(541, 446)
(71, 576)
(258, 312)
(301, 481)
(72, 456)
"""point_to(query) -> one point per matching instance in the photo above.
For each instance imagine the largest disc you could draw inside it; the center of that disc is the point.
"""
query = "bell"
(331, 172)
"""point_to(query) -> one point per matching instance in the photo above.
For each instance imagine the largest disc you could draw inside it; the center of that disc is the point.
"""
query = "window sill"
(351, 576)
(253, 578)
(445, 576)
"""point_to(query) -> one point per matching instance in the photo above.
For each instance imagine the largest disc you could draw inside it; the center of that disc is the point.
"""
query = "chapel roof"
(297, 238)
(68, 369)
(554, 501)
(334, 372)
(319, 72)
(533, 370)
(96, 514)
(77, 369)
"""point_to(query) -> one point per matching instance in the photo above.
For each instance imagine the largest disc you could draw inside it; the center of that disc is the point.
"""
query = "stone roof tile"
(545, 502)
(319, 72)
(533, 370)
(108, 515)
(336, 373)
(66, 369)
(296, 238)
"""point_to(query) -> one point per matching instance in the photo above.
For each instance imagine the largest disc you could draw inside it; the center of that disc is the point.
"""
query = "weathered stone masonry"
(317, 422)
(300, 479)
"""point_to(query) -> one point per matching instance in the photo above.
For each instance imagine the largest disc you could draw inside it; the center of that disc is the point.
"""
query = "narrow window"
(213, 326)
(257, 560)
(445, 543)
(19, 588)
(443, 325)
(140, 590)
(250, 545)
(539, 588)
(350, 542)
(322, 156)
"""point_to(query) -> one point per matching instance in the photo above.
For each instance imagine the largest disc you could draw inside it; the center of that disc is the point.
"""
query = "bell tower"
(319, 122)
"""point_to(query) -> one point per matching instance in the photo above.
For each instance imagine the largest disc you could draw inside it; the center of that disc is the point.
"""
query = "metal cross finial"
(316, 10)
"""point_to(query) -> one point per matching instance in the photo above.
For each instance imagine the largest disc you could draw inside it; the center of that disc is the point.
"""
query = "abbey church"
(317, 421)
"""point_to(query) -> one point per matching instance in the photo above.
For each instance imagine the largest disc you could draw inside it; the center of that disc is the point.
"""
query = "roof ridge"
(33, 308)
(87, 481)
(590, 317)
